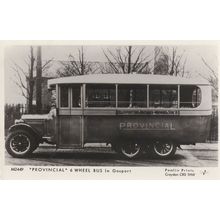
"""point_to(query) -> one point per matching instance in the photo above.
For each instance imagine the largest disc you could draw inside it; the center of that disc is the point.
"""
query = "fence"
(12, 112)
(213, 134)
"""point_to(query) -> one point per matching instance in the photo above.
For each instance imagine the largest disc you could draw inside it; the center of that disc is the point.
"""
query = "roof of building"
(127, 79)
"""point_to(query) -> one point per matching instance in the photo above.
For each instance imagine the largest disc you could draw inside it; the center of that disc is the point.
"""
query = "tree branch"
(46, 65)
(208, 66)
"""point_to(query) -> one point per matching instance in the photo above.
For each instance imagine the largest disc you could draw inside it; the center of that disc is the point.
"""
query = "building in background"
(46, 95)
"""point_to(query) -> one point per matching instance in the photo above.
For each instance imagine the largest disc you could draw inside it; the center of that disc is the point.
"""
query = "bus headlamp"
(17, 121)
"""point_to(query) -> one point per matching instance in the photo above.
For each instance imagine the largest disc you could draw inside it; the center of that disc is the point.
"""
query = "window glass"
(100, 96)
(163, 96)
(64, 96)
(190, 96)
(132, 96)
(76, 96)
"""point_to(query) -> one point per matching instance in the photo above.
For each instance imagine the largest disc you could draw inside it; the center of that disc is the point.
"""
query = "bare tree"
(170, 62)
(76, 65)
(127, 60)
(177, 63)
(24, 78)
(212, 77)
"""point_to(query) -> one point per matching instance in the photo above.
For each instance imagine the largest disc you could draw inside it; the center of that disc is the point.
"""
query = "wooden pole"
(39, 81)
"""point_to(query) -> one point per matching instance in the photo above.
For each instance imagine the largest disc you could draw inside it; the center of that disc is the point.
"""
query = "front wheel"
(20, 143)
(163, 150)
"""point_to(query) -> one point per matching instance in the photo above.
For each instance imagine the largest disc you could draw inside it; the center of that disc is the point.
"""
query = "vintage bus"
(134, 113)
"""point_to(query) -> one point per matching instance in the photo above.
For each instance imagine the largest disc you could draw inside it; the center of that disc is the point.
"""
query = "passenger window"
(64, 102)
(132, 96)
(76, 96)
(100, 96)
(163, 96)
(190, 96)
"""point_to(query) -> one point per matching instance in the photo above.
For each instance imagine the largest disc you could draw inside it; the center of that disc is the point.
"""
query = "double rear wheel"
(132, 149)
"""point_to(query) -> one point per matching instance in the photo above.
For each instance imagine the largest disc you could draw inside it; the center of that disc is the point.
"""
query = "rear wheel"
(163, 150)
(20, 143)
(130, 150)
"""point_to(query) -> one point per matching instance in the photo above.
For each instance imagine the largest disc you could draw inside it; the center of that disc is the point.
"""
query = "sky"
(19, 55)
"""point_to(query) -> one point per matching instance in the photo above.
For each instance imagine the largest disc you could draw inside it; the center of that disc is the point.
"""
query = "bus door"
(69, 132)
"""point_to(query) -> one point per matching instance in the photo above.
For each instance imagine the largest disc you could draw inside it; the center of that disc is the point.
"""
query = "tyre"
(130, 150)
(20, 143)
(163, 150)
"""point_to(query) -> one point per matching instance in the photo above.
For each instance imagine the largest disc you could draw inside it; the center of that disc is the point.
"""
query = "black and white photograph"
(109, 109)
(121, 106)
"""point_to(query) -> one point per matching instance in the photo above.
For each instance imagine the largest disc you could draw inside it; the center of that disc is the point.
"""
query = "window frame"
(134, 108)
(197, 87)
(116, 86)
(167, 108)
(101, 108)
(71, 96)
(61, 107)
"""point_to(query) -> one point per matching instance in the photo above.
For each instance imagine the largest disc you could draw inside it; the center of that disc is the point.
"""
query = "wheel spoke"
(163, 149)
(20, 143)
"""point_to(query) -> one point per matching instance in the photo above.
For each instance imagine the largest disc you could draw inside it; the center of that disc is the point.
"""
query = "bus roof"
(127, 79)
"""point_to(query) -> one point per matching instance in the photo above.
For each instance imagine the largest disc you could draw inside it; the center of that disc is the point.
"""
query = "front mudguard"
(28, 128)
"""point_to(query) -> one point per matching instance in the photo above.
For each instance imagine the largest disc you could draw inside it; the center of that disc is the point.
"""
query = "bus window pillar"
(83, 103)
(148, 94)
(131, 98)
(116, 87)
(57, 96)
(178, 97)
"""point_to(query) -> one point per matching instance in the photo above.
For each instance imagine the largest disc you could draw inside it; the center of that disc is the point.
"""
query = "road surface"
(201, 155)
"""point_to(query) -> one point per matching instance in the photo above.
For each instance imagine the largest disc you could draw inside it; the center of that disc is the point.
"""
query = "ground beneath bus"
(200, 155)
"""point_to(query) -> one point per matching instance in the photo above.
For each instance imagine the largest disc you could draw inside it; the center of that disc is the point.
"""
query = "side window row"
(131, 96)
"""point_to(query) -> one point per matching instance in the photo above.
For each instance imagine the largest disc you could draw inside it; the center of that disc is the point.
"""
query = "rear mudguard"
(28, 128)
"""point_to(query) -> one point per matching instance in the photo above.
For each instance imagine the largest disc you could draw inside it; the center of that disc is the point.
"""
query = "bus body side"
(177, 129)
(185, 125)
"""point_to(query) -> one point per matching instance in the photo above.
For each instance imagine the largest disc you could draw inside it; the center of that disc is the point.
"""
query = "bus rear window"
(100, 96)
(190, 96)
(132, 96)
(64, 98)
(162, 96)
